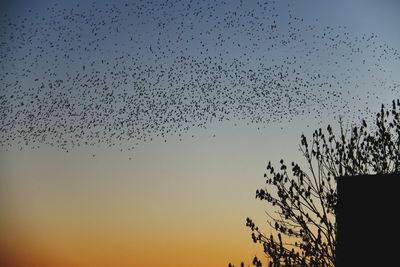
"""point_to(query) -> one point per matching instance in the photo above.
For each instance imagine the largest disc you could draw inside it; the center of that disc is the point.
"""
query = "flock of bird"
(125, 73)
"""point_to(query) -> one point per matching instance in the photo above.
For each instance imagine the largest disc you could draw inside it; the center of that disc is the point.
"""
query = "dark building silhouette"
(368, 221)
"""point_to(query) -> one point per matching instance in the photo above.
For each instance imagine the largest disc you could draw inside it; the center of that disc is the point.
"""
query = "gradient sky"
(176, 200)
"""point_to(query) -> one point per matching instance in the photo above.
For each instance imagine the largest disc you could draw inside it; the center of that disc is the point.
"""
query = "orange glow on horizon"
(80, 247)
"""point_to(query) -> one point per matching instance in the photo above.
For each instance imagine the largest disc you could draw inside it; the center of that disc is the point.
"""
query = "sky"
(136, 133)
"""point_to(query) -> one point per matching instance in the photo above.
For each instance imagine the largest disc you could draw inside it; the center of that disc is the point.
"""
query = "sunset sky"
(249, 78)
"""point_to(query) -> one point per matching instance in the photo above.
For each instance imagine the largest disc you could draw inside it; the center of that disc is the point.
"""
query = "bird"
(125, 74)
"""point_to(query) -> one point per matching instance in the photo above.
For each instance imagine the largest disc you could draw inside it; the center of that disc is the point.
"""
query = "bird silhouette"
(123, 74)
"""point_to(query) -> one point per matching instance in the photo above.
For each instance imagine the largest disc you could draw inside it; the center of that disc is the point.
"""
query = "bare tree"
(304, 201)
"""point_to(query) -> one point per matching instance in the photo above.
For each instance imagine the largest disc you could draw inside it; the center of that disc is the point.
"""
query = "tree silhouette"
(304, 202)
